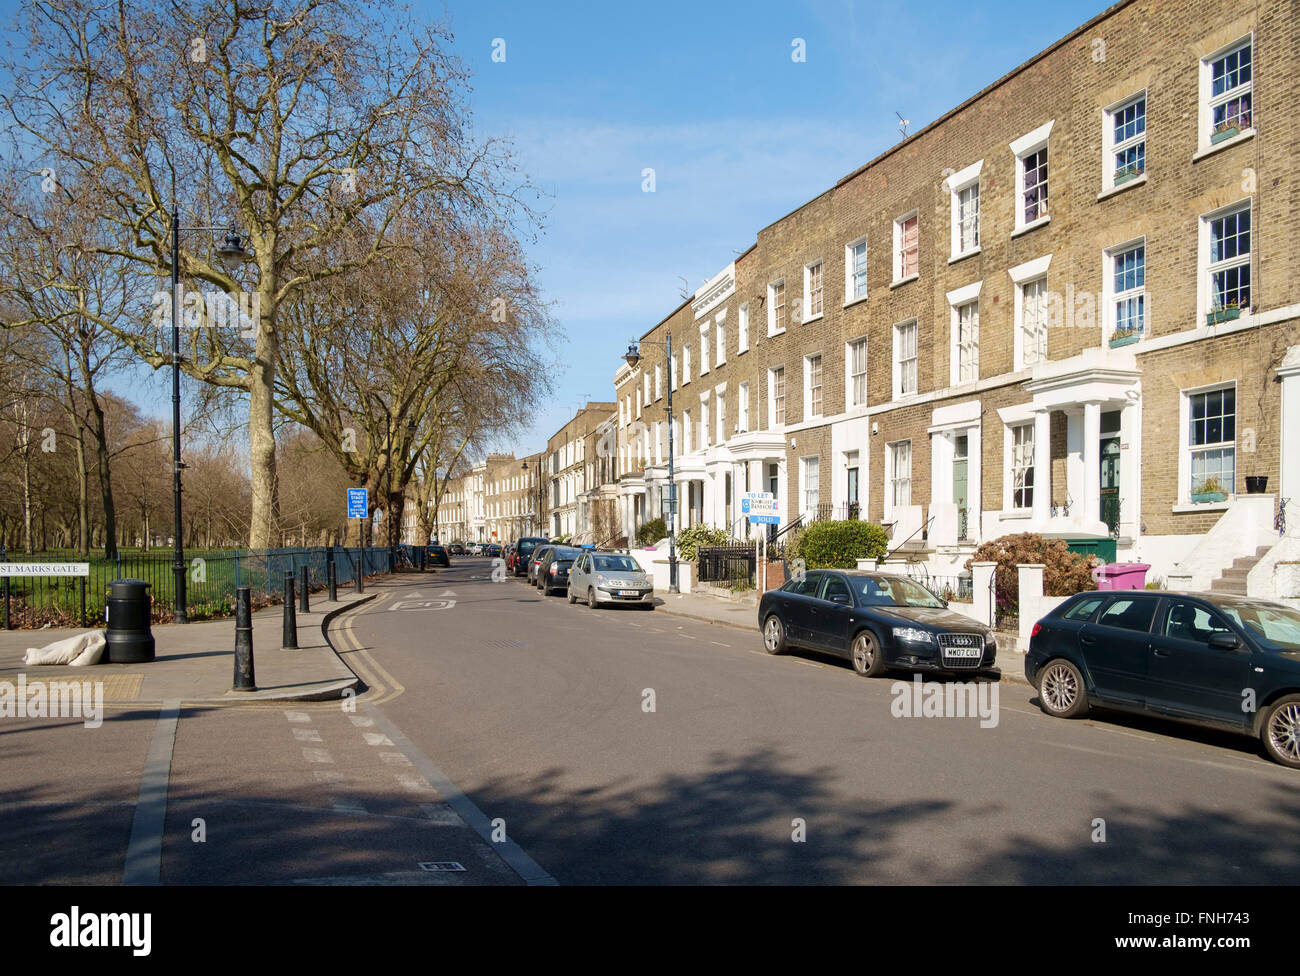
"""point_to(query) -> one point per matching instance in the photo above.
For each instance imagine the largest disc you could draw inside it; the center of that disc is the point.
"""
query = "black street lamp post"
(232, 254)
(633, 357)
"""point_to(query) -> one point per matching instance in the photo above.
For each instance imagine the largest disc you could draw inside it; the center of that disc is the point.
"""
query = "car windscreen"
(1278, 625)
(895, 591)
(526, 547)
(567, 553)
(617, 564)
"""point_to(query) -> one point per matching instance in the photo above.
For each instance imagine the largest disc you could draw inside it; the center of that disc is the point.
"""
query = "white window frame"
(958, 183)
(1206, 270)
(894, 482)
(704, 349)
(645, 382)
(899, 277)
(686, 365)
(810, 482)
(720, 338)
(1010, 445)
(1113, 297)
(1023, 275)
(814, 398)
(1112, 147)
(814, 296)
(703, 427)
(742, 329)
(1024, 147)
(851, 399)
(672, 374)
(772, 397)
(720, 413)
(959, 299)
(898, 371)
(851, 271)
(1185, 447)
(772, 330)
(742, 408)
(659, 381)
(1208, 101)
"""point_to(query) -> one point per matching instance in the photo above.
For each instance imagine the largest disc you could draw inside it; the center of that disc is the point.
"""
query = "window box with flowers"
(1125, 337)
(1126, 173)
(1228, 129)
(1209, 490)
(1226, 313)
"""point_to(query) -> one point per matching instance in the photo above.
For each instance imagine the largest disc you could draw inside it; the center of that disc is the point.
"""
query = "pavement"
(194, 662)
(744, 616)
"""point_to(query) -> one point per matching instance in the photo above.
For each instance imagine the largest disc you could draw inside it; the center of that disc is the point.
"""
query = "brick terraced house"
(1071, 306)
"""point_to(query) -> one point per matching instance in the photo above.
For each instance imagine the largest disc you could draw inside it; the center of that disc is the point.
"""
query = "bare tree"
(302, 123)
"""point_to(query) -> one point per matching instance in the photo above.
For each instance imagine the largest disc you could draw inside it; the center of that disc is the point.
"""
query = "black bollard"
(331, 579)
(290, 621)
(245, 679)
(304, 605)
(357, 584)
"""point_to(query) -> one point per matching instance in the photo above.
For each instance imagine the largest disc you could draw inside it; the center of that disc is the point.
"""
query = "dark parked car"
(877, 621)
(1212, 659)
(553, 571)
(524, 550)
(535, 560)
(456, 549)
(492, 549)
(438, 555)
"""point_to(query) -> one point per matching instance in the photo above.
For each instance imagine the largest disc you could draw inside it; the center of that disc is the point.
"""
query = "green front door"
(959, 491)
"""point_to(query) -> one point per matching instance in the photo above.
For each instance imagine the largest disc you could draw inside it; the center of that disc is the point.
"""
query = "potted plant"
(1126, 173)
(1223, 131)
(1125, 337)
(1223, 313)
(1256, 484)
(1209, 490)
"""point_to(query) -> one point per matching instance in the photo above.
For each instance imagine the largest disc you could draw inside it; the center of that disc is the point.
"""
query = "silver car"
(607, 577)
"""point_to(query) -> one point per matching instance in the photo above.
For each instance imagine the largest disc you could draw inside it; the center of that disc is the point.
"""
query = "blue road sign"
(356, 503)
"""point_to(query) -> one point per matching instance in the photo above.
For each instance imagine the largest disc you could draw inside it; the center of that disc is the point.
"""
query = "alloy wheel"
(1284, 731)
(1060, 690)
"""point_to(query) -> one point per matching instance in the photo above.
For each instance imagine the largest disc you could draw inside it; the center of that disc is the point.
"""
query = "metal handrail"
(921, 528)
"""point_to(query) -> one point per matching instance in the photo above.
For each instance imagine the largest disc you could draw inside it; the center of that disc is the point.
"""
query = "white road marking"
(414, 782)
(719, 643)
(306, 735)
(143, 864)
(394, 759)
(687, 636)
(376, 739)
(297, 716)
(441, 814)
(317, 755)
(328, 776)
(361, 722)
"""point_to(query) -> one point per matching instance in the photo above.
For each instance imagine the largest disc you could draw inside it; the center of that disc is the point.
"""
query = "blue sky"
(738, 133)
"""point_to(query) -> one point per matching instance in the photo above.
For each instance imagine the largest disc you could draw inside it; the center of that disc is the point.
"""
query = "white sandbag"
(75, 652)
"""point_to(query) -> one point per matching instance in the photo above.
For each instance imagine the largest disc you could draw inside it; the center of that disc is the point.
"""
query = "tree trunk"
(98, 430)
(264, 523)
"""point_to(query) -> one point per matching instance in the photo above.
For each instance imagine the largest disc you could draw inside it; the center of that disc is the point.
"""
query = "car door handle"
(1160, 652)
(1087, 640)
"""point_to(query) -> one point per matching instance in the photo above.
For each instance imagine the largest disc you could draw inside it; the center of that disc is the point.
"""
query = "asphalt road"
(539, 712)
(515, 738)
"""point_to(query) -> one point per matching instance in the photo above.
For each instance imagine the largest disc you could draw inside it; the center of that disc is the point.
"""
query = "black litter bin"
(129, 638)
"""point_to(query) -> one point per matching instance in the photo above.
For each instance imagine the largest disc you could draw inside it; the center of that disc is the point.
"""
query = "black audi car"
(877, 621)
(524, 549)
(438, 555)
(553, 571)
(1212, 659)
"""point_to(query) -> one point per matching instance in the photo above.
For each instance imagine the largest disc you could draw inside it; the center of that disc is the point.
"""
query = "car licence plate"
(962, 651)
(627, 593)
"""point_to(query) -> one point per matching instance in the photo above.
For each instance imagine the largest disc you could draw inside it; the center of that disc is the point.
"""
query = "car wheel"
(1280, 731)
(774, 635)
(591, 598)
(868, 660)
(1060, 690)
(572, 599)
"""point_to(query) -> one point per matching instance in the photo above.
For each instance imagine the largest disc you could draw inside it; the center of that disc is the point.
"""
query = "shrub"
(651, 532)
(1065, 573)
(689, 542)
(839, 545)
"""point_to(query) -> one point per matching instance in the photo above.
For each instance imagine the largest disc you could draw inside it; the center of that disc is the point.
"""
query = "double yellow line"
(380, 685)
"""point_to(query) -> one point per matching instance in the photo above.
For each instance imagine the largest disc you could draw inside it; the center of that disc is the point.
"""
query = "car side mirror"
(1223, 641)
(944, 602)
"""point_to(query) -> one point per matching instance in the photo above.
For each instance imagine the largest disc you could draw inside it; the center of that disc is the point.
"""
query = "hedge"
(839, 545)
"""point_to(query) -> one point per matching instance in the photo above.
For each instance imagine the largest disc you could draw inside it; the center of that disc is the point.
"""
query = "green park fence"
(211, 577)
